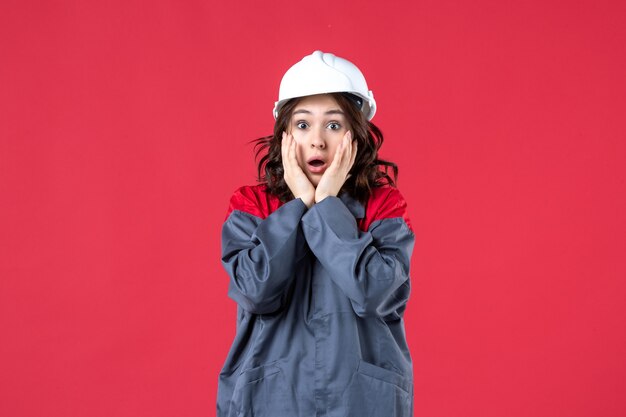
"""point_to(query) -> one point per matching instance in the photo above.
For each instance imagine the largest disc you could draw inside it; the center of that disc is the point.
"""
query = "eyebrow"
(334, 111)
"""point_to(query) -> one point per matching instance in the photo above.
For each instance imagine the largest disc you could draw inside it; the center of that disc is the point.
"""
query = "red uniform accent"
(254, 200)
(385, 202)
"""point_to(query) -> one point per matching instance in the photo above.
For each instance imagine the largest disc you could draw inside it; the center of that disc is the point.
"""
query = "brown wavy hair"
(367, 172)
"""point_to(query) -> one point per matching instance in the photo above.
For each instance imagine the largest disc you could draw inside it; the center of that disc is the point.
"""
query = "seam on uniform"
(245, 213)
(396, 219)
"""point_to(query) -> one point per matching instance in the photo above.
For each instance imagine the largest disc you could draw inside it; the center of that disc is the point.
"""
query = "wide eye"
(302, 125)
(334, 126)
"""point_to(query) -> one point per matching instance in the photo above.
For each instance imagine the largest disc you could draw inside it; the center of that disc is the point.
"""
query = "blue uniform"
(321, 294)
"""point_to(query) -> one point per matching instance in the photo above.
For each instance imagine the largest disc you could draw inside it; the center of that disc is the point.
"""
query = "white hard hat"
(321, 73)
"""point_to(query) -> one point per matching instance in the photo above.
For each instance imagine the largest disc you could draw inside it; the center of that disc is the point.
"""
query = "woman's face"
(318, 125)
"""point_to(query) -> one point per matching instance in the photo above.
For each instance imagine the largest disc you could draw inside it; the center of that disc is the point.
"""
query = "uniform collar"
(356, 208)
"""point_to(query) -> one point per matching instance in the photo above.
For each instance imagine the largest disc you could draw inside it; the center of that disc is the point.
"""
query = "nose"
(317, 139)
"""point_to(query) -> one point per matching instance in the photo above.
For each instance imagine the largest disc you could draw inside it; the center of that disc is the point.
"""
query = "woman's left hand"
(337, 173)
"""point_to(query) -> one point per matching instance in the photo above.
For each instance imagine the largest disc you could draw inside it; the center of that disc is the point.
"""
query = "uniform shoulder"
(387, 202)
(253, 199)
(386, 193)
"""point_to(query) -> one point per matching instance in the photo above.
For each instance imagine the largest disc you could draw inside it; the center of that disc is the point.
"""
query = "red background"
(124, 129)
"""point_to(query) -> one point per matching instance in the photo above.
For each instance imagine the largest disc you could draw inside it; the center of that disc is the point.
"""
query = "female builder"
(318, 256)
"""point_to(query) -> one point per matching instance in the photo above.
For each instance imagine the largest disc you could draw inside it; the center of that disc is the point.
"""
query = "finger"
(336, 162)
(288, 151)
(293, 155)
(346, 150)
(292, 151)
(355, 146)
(288, 161)
(349, 148)
(283, 148)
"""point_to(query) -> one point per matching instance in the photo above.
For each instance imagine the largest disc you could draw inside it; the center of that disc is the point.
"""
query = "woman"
(318, 256)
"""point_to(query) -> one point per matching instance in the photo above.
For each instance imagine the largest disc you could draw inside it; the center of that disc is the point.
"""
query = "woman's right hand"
(295, 178)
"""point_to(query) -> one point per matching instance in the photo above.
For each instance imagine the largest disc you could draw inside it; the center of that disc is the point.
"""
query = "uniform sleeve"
(260, 254)
(371, 268)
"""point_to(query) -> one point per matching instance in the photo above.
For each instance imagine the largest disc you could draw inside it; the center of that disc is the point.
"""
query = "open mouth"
(316, 163)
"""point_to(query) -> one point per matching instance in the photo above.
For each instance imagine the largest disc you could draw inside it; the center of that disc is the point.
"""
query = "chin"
(314, 180)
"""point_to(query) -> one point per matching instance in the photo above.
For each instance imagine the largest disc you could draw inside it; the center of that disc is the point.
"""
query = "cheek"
(298, 137)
